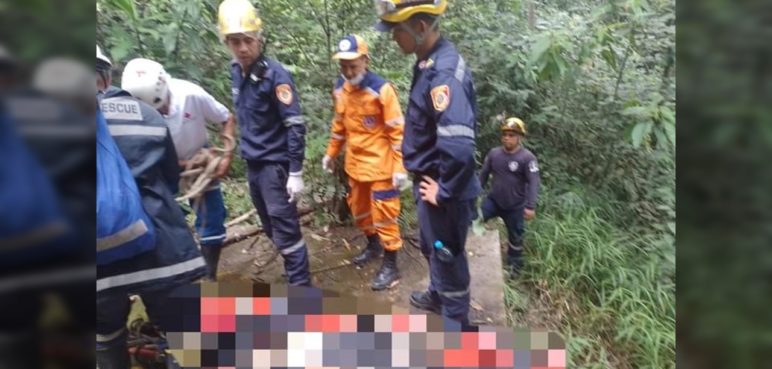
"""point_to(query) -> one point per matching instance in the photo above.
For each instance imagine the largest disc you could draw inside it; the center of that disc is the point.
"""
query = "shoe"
(425, 301)
(211, 255)
(373, 250)
(514, 266)
(388, 275)
(514, 259)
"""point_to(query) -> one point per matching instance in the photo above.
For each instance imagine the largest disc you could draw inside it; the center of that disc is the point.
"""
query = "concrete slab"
(330, 252)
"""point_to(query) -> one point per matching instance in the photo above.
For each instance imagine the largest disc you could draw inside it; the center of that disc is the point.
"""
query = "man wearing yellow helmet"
(515, 187)
(438, 149)
(272, 133)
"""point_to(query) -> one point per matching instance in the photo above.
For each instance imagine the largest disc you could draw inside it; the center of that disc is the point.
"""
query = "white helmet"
(146, 80)
(102, 57)
(65, 78)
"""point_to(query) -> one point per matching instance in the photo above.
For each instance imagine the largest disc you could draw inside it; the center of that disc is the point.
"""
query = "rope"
(200, 170)
(144, 344)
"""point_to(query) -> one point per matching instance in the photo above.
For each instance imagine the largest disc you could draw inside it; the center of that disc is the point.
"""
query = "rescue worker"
(145, 142)
(438, 149)
(187, 108)
(515, 187)
(369, 121)
(272, 133)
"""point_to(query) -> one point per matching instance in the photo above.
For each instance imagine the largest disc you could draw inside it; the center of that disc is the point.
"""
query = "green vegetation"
(592, 79)
(611, 290)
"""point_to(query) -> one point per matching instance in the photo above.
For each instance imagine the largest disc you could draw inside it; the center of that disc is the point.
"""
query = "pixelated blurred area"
(724, 201)
(251, 318)
(247, 325)
(47, 184)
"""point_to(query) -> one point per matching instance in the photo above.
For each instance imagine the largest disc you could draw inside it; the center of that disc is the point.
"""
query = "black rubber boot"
(426, 301)
(211, 255)
(514, 258)
(388, 276)
(373, 250)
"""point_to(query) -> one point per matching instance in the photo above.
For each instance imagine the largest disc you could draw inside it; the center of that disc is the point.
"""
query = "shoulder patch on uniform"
(533, 167)
(121, 109)
(284, 93)
(441, 97)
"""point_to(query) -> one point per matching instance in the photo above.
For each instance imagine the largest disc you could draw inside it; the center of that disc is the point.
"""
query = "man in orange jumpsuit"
(368, 120)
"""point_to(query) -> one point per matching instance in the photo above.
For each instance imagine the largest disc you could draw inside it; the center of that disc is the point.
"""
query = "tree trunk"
(531, 15)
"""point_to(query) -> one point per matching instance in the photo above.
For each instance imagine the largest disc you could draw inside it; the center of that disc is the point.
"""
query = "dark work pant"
(515, 223)
(267, 187)
(210, 226)
(449, 281)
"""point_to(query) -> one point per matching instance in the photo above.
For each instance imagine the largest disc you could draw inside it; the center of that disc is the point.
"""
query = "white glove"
(295, 186)
(326, 164)
(399, 180)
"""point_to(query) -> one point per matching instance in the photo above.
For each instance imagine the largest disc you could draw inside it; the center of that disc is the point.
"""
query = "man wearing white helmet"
(143, 139)
(272, 133)
(104, 70)
(187, 108)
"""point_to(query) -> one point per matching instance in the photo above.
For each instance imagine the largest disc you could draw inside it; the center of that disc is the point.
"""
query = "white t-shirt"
(190, 109)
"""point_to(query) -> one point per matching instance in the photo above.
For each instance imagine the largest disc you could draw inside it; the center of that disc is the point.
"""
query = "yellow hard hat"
(513, 124)
(396, 11)
(237, 16)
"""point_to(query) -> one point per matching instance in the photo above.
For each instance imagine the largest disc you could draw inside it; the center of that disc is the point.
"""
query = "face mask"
(418, 38)
(356, 80)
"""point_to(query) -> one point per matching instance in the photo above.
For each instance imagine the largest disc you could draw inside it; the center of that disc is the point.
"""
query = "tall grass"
(612, 288)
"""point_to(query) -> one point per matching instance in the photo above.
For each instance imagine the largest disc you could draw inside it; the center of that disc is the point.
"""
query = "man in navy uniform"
(141, 135)
(515, 187)
(272, 134)
(187, 108)
(438, 148)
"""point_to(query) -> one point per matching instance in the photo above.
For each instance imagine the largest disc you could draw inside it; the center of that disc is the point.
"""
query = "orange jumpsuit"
(369, 122)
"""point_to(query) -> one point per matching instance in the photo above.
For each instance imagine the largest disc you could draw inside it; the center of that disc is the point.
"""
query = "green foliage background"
(594, 81)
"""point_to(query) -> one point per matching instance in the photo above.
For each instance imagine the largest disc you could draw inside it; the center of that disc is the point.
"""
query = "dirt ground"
(255, 259)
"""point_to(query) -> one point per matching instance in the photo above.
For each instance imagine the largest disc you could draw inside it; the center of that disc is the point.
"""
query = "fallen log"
(241, 218)
(252, 231)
